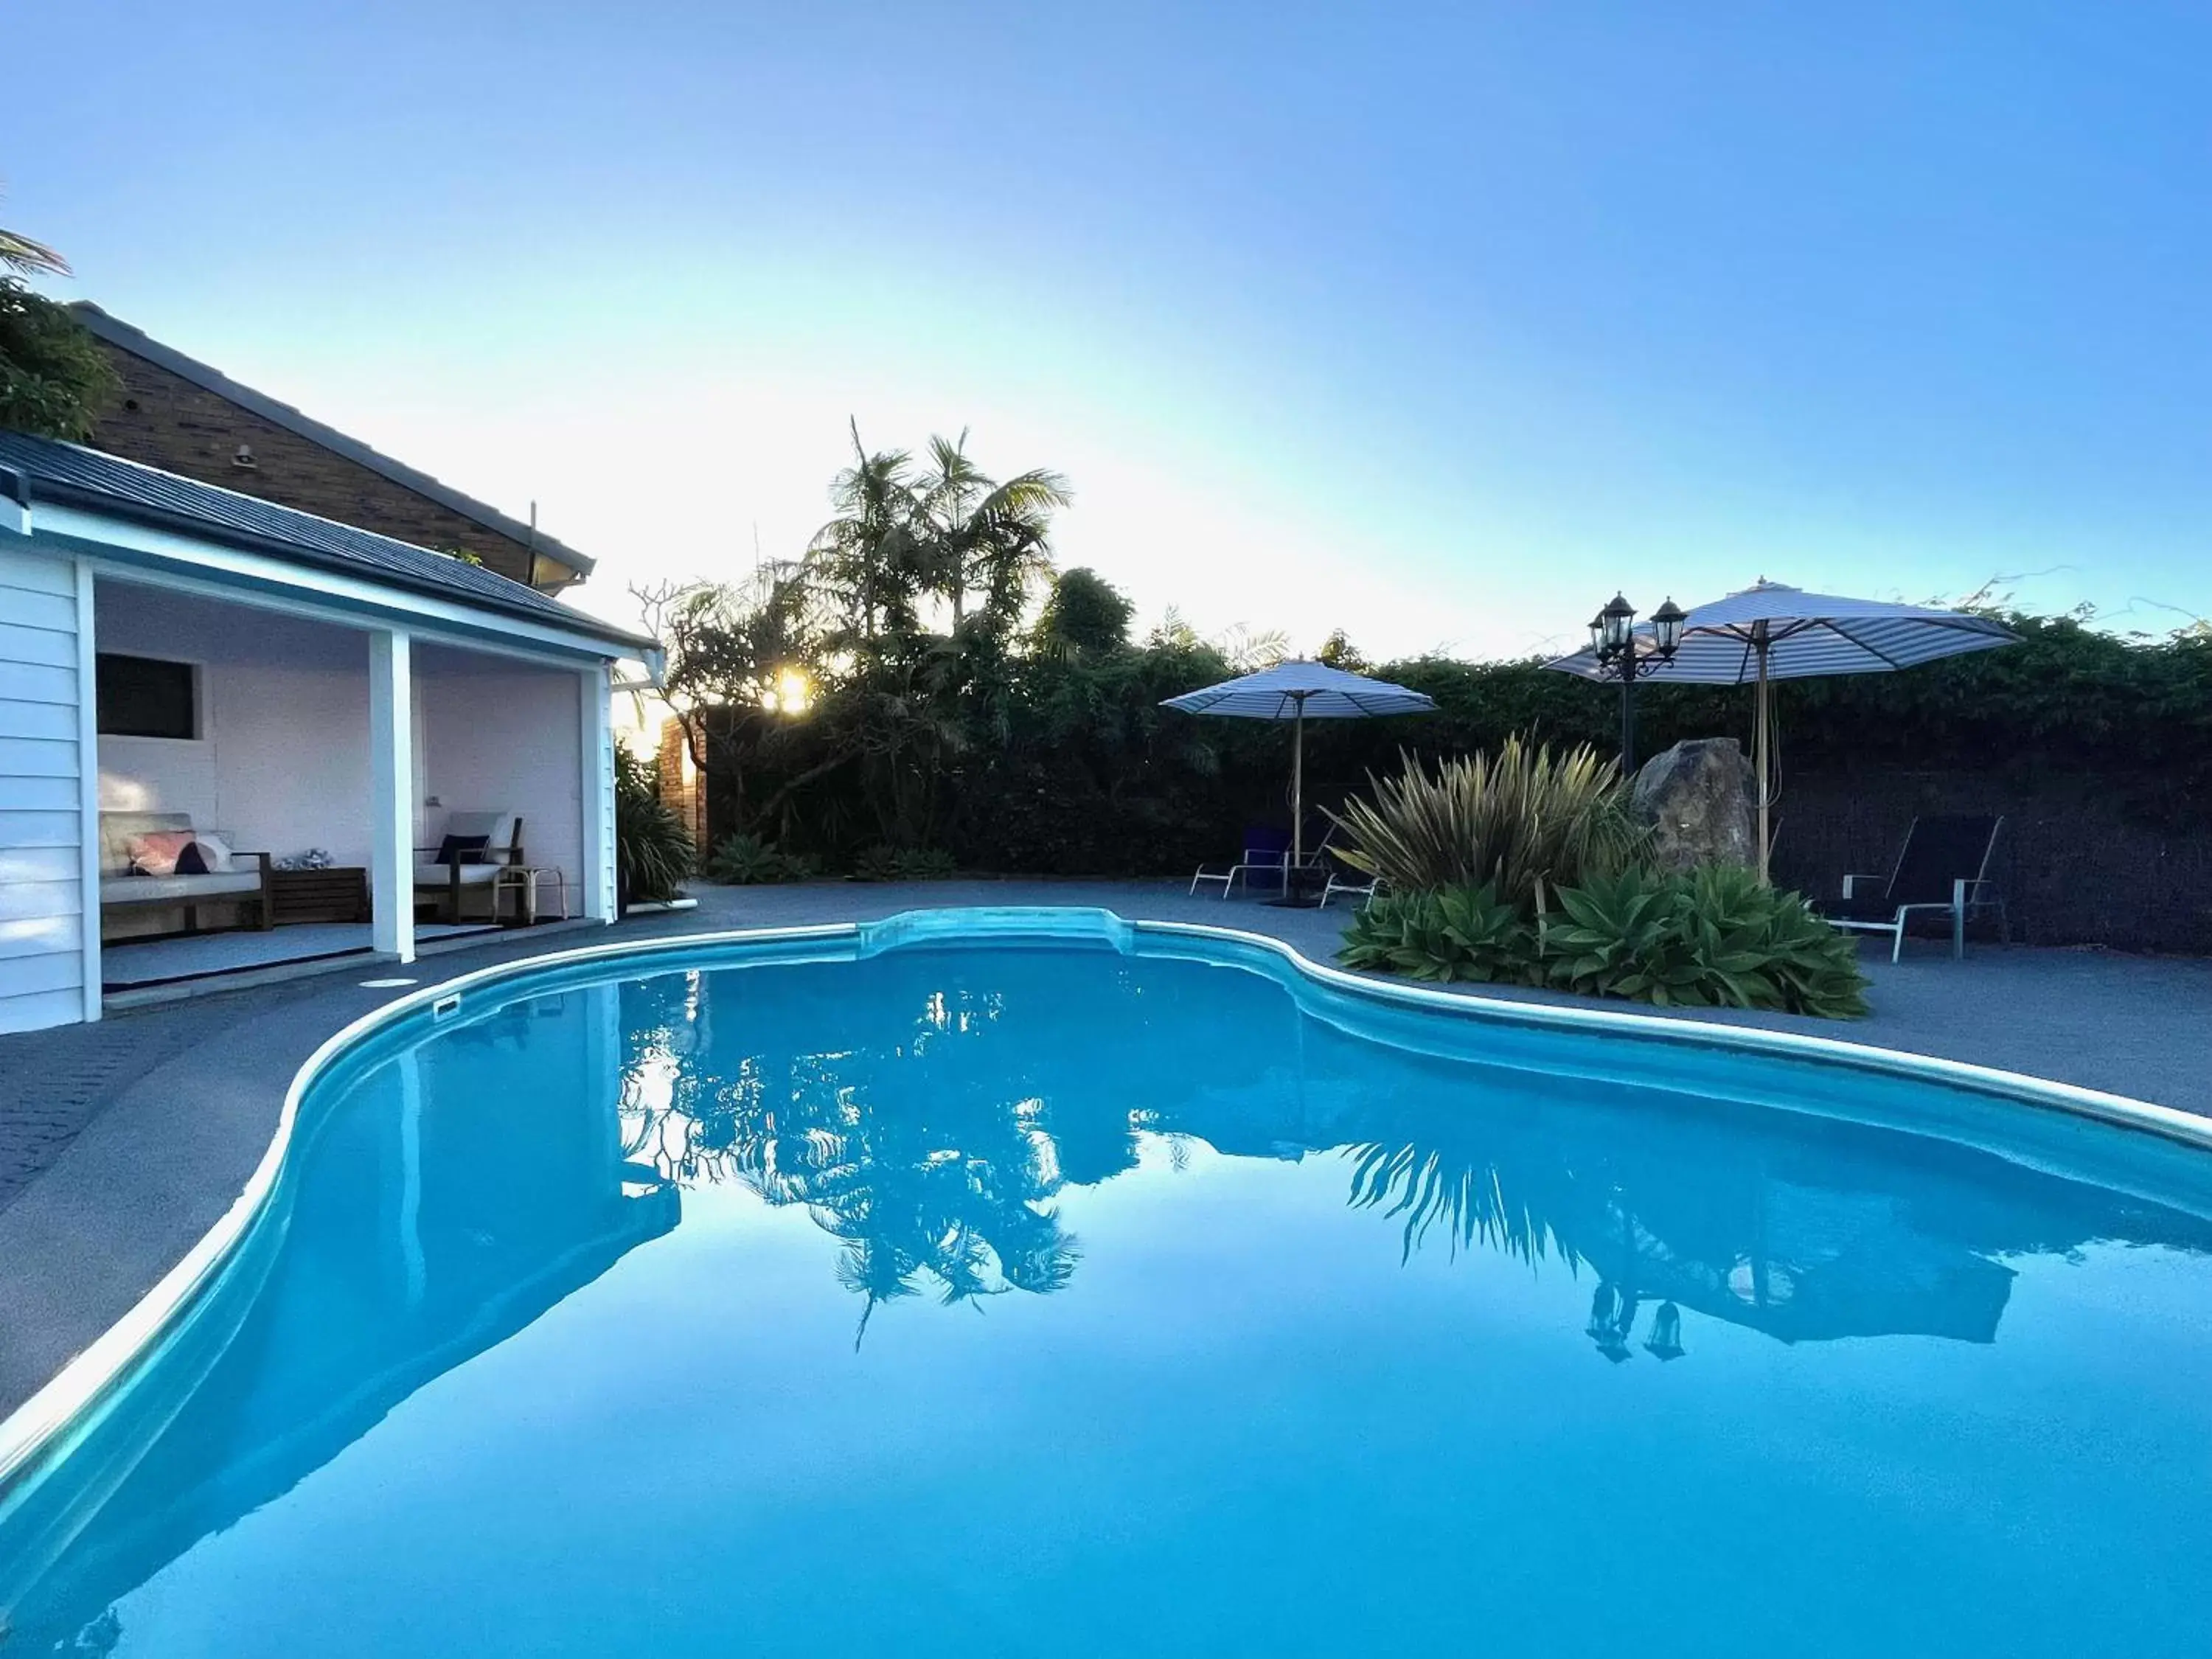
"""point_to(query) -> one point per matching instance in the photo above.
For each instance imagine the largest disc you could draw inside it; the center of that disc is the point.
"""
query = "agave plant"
(1713, 938)
(1716, 937)
(1632, 934)
(1522, 822)
(1464, 933)
(749, 860)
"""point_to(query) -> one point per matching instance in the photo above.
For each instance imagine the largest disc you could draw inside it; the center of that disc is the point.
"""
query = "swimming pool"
(1096, 1290)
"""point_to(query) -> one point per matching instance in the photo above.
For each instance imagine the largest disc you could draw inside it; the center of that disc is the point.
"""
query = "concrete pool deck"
(122, 1143)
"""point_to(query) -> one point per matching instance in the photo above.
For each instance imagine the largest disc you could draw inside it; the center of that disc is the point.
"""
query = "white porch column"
(598, 752)
(87, 788)
(391, 793)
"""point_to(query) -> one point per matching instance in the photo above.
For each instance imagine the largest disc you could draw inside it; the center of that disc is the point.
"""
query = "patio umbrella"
(1770, 631)
(1299, 690)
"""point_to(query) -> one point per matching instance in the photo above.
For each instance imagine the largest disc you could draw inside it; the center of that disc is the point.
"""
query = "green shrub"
(750, 861)
(1521, 823)
(1712, 938)
(903, 864)
(1715, 937)
(54, 377)
(1460, 933)
(652, 849)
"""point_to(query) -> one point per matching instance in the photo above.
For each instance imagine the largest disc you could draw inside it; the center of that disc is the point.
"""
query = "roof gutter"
(15, 501)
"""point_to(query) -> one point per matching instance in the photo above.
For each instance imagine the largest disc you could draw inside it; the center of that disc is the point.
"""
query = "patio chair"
(1267, 851)
(1944, 866)
(1343, 879)
(477, 846)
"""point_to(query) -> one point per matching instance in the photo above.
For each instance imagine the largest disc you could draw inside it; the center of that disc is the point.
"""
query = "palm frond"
(28, 258)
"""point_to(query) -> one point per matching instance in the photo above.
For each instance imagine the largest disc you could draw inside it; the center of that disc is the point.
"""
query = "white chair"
(1263, 856)
(1355, 882)
(473, 869)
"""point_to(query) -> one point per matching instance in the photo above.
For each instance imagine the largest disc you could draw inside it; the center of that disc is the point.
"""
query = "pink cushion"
(155, 854)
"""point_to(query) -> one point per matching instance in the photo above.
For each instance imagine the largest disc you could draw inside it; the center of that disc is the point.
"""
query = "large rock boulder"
(1696, 798)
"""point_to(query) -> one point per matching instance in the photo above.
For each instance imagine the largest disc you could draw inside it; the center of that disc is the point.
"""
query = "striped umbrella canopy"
(1772, 631)
(1299, 690)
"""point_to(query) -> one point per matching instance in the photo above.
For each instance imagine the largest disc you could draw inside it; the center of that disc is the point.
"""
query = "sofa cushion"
(178, 890)
(156, 853)
(116, 829)
(496, 827)
(213, 852)
(462, 849)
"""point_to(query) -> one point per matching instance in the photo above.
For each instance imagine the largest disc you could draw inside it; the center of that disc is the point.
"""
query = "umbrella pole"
(1298, 793)
(1762, 739)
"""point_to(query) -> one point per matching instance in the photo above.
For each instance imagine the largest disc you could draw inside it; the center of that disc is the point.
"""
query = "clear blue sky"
(1440, 324)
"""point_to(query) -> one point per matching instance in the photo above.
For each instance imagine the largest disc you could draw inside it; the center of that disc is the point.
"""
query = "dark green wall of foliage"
(1071, 767)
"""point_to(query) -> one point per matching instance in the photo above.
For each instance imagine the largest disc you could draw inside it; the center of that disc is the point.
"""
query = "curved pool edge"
(72, 1396)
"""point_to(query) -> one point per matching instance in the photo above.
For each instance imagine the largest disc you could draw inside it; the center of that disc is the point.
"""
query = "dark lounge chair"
(1943, 867)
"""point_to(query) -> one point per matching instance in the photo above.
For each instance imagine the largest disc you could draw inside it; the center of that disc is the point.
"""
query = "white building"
(280, 683)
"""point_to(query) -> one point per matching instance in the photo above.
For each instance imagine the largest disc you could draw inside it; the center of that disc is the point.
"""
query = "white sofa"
(246, 884)
(469, 883)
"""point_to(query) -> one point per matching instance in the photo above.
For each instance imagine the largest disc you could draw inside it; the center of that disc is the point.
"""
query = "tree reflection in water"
(913, 1152)
(927, 1107)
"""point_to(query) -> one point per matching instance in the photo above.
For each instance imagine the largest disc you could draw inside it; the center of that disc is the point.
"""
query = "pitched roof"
(34, 470)
(139, 343)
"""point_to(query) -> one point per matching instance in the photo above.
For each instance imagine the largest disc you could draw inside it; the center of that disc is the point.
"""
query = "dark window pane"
(145, 697)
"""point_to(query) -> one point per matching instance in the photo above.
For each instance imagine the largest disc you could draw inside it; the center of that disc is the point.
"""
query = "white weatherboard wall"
(281, 762)
(42, 772)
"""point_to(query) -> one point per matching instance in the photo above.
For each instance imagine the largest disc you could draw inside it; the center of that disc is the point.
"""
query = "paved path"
(122, 1143)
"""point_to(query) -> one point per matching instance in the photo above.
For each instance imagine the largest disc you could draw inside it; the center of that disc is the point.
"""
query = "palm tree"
(982, 534)
(868, 557)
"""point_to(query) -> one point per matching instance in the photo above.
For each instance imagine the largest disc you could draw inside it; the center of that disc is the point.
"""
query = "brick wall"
(682, 787)
(163, 420)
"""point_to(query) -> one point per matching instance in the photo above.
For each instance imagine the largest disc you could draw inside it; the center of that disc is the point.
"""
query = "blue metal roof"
(32, 470)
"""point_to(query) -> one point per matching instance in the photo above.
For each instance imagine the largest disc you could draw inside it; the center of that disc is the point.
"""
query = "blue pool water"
(1065, 1301)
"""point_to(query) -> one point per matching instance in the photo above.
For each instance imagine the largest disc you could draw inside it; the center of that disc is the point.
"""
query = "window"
(147, 697)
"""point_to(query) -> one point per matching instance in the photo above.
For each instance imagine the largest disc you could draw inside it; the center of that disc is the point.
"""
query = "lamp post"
(1615, 644)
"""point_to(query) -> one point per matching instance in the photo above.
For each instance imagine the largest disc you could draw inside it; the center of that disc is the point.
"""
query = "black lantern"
(1617, 624)
(1621, 656)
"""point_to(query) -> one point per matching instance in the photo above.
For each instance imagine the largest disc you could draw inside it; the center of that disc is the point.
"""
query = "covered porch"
(235, 738)
(331, 762)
